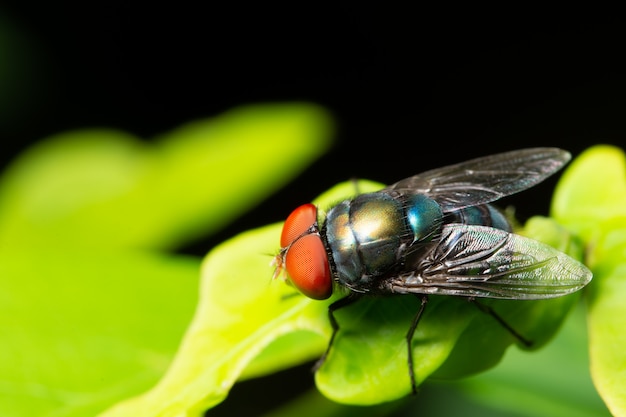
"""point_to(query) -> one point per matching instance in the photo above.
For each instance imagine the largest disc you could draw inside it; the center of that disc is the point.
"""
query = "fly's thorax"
(367, 237)
(363, 236)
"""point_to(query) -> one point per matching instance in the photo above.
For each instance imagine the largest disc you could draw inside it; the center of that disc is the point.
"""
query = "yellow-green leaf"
(105, 188)
(591, 199)
(90, 311)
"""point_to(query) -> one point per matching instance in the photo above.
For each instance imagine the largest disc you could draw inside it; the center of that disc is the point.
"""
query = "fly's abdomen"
(483, 215)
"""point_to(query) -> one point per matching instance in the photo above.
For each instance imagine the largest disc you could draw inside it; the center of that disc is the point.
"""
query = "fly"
(432, 233)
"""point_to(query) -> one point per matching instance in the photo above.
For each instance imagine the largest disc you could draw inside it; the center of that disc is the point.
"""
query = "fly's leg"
(409, 341)
(488, 310)
(343, 302)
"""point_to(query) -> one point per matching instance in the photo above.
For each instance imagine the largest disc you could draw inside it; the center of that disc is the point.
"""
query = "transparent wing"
(486, 179)
(479, 261)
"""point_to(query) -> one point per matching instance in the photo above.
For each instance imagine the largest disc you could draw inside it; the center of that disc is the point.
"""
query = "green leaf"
(80, 329)
(90, 312)
(241, 311)
(313, 404)
(368, 361)
(591, 194)
(553, 381)
(606, 324)
(106, 188)
(591, 199)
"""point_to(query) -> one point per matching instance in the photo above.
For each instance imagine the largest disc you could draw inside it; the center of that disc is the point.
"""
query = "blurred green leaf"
(591, 199)
(553, 381)
(106, 188)
(90, 313)
(80, 329)
(241, 311)
(591, 194)
(313, 404)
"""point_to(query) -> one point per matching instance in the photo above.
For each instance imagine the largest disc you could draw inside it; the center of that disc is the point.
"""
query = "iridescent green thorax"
(367, 236)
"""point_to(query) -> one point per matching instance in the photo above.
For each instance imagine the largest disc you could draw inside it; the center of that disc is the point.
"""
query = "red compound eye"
(297, 223)
(307, 265)
(306, 260)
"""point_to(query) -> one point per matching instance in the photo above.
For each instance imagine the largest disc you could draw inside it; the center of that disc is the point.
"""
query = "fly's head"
(303, 256)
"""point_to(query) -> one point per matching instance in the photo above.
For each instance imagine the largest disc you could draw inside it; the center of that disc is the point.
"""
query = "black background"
(412, 87)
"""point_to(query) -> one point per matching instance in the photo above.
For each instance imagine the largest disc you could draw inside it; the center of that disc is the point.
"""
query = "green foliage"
(591, 200)
(90, 186)
(96, 316)
(92, 309)
(367, 364)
